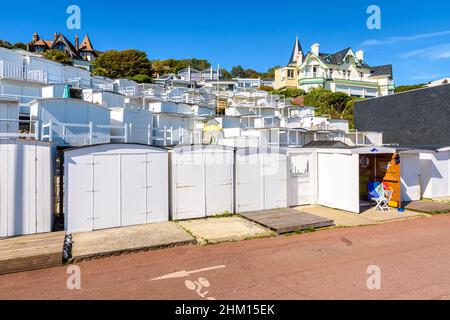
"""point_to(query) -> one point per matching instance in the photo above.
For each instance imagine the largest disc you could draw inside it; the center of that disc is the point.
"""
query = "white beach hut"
(113, 185)
(138, 121)
(201, 181)
(261, 179)
(26, 187)
(435, 172)
(343, 175)
(71, 121)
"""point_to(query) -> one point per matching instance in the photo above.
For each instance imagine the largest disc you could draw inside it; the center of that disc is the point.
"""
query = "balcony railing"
(14, 71)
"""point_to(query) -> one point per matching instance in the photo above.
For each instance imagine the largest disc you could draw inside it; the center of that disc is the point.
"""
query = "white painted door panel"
(275, 180)
(134, 189)
(338, 181)
(190, 202)
(248, 182)
(78, 195)
(219, 182)
(158, 187)
(299, 179)
(106, 191)
(410, 171)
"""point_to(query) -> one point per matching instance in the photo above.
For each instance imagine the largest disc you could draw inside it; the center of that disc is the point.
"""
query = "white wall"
(409, 176)
(201, 181)
(140, 123)
(115, 185)
(435, 174)
(75, 112)
(9, 110)
(338, 181)
(26, 188)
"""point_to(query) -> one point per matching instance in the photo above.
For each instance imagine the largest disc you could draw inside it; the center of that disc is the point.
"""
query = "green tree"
(20, 45)
(266, 88)
(142, 78)
(408, 88)
(290, 93)
(57, 56)
(270, 73)
(226, 74)
(238, 72)
(122, 64)
(250, 73)
(6, 44)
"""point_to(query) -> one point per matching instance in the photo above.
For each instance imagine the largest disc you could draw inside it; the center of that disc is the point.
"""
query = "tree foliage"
(122, 64)
(9, 45)
(174, 66)
(289, 93)
(408, 87)
(57, 56)
(6, 44)
(142, 78)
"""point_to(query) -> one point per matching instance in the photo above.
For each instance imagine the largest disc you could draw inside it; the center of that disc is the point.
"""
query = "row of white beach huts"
(99, 151)
(113, 185)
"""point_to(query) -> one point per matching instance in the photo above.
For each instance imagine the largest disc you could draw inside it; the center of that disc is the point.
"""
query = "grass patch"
(225, 214)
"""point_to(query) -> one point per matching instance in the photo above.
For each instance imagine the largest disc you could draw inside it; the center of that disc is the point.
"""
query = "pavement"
(350, 219)
(443, 199)
(340, 218)
(389, 216)
(128, 239)
(410, 258)
(215, 230)
(428, 206)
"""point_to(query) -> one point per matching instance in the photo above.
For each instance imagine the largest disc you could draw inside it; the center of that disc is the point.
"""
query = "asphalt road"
(413, 258)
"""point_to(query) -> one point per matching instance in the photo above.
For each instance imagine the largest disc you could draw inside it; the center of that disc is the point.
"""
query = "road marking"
(184, 273)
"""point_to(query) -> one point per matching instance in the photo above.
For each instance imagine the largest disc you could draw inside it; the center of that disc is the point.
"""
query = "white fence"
(93, 134)
(14, 71)
(169, 136)
(32, 133)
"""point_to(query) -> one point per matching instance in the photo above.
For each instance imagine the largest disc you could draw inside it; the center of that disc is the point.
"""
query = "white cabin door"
(134, 189)
(338, 181)
(219, 182)
(299, 180)
(410, 172)
(275, 180)
(157, 187)
(106, 191)
(21, 206)
(78, 197)
(190, 193)
(249, 181)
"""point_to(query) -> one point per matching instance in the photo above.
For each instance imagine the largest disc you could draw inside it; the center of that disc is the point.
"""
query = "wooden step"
(31, 252)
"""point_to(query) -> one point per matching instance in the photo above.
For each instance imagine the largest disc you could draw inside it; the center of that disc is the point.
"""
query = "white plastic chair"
(383, 200)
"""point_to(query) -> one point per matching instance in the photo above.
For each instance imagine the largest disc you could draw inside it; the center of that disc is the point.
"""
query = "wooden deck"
(287, 220)
(428, 206)
(31, 252)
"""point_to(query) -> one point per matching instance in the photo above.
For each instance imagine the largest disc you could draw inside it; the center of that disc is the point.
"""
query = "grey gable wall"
(415, 118)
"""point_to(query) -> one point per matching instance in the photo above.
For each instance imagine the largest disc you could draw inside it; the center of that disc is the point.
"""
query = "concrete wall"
(414, 118)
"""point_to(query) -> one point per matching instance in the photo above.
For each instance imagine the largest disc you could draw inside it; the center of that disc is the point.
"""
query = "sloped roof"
(86, 44)
(334, 58)
(297, 49)
(70, 47)
(384, 70)
(326, 144)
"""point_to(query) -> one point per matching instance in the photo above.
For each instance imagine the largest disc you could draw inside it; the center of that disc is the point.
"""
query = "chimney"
(360, 55)
(77, 42)
(35, 37)
(55, 36)
(315, 49)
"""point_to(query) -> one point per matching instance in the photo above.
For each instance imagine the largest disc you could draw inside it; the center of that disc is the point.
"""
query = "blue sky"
(414, 35)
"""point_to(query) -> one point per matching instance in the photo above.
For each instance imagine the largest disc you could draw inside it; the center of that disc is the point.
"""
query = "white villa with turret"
(344, 71)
